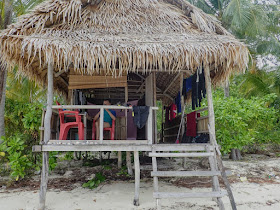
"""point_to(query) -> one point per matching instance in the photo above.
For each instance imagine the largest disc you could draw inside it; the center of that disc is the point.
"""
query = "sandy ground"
(119, 195)
(263, 193)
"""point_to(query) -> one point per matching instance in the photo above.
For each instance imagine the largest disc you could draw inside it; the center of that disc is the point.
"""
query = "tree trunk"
(2, 104)
(226, 89)
(3, 70)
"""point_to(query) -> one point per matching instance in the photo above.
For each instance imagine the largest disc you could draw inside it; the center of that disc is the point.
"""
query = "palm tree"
(8, 10)
(5, 20)
(256, 23)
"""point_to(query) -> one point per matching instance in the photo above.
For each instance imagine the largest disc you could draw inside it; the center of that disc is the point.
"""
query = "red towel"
(191, 124)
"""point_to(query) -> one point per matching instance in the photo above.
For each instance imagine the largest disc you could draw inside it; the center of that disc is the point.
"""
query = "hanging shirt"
(178, 102)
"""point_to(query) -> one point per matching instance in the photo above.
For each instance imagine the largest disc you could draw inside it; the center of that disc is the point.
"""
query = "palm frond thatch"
(116, 36)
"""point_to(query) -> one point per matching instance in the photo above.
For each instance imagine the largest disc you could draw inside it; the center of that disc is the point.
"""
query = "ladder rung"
(217, 194)
(193, 154)
(185, 173)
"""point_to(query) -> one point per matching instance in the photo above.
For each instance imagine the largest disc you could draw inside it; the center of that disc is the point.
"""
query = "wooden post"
(119, 159)
(128, 154)
(154, 104)
(101, 125)
(137, 178)
(149, 100)
(211, 115)
(150, 127)
(156, 188)
(47, 136)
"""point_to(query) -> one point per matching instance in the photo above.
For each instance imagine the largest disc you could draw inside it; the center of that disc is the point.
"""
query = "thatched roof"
(113, 36)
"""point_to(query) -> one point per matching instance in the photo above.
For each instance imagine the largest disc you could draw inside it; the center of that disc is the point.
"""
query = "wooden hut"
(134, 47)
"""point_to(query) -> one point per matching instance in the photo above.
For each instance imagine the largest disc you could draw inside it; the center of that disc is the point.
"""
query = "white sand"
(119, 196)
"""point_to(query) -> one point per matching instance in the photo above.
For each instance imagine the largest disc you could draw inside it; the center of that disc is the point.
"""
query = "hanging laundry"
(191, 124)
(178, 102)
(173, 111)
(141, 114)
(187, 86)
(198, 88)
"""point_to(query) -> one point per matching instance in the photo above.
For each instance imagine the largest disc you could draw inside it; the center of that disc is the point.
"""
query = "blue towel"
(187, 86)
(178, 102)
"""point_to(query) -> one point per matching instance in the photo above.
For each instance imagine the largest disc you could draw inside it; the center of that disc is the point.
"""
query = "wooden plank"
(193, 154)
(182, 147)
(185, 173)
(190, 195)
(93, 107)
(95, 79)
(84, 148)
(137, 178)
(201, 118)
(176, 126)
(95, 142)
(201, 110)
(101, 85)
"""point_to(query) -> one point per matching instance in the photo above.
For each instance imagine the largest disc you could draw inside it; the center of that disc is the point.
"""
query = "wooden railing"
(102, 107)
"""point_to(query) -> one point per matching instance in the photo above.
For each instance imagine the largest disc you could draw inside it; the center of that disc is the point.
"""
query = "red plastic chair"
(65, 126)
(110, 129)
(73, 116)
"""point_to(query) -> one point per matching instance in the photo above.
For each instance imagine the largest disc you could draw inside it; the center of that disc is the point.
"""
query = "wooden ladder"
(191, 150)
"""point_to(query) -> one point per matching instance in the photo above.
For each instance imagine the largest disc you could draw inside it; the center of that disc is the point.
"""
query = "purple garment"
(131, 127)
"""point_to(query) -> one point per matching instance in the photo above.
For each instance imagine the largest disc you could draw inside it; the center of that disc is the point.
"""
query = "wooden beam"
(171, 83)
(93, 148)
(211, 114)
(57, 74)
(95, 142)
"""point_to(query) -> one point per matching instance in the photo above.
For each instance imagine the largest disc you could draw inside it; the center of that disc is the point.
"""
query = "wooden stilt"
(137, 178)
(128, 163)
(119, 159)
(154, 162)
(128, 154)
(47, 136)
(155, 140)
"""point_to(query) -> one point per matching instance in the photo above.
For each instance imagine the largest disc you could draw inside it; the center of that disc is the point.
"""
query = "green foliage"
(123, 171)
(241, 122)
(52, 160)
(20, 159)
(95, 182)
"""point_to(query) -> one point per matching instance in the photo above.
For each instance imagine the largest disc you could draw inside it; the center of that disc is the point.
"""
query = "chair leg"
(64, 132)
(112, 135)
(81, 131)
(93, 131)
